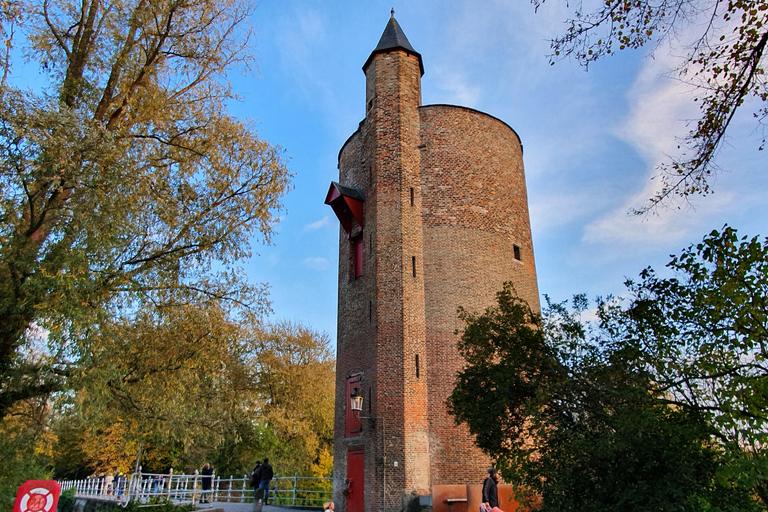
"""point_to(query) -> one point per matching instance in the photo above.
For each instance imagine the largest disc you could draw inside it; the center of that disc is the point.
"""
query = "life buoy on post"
(37, 496)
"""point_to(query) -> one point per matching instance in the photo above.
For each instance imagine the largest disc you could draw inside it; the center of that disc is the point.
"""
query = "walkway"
(245, 507)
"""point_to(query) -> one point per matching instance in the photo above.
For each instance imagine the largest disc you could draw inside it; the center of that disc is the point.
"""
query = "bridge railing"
(181, 488)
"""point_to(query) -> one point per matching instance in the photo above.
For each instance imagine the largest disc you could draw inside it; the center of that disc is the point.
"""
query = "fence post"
(277, 485)
(194, 487)
(242, 494)
(170, 481)
(134, 485)
(229, 489)
(295, 480)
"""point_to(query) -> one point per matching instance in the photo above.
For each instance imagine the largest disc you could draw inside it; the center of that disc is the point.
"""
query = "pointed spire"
(393, 38)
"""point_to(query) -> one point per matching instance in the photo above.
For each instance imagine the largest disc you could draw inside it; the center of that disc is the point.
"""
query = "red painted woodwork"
(353, 426)
(347, 204)
(355, 482)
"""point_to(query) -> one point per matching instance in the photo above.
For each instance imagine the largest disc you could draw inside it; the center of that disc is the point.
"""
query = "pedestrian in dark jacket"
(255, 478)
(265, 476)
(490, 490)
(255, 481)
(205, 481)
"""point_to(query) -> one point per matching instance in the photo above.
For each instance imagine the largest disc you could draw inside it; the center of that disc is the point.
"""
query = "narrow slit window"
(357, 250)
(413, 266)
(417, 366)
(370, 311)
(516, 250)
(411, 196)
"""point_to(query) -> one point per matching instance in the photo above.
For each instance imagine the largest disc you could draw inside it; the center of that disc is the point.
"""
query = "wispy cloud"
(316, 263)
(557, 209)
(660, 110)
(317, 224)
(457, 86)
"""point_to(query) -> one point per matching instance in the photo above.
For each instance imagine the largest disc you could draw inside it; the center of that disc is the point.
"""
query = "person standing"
(119, 484)
(205, 482)
(265, 476)
(490, 489)
(108, 483)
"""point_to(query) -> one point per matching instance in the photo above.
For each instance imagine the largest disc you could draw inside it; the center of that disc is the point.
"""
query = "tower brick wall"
(444, 224)
(474, 205)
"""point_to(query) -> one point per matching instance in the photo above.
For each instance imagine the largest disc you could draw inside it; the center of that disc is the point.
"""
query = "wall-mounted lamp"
(356, 402)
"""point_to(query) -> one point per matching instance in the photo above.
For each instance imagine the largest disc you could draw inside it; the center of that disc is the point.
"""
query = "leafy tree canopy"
(178, 390)
(657, 404)
(725, 62)
(124, 184)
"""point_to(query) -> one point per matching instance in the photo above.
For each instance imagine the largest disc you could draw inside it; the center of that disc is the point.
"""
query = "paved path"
(243, 507)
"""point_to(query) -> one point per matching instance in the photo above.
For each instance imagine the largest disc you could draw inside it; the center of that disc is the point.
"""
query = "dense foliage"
(657, 404)
(263, 391)
(128, 198)
(725, 61)
(125, 185)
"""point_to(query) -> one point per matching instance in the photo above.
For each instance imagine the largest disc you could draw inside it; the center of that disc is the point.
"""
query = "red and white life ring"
(38, 499)
(37, 496)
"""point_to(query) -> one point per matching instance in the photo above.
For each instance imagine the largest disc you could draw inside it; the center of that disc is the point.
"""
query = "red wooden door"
(355, 487)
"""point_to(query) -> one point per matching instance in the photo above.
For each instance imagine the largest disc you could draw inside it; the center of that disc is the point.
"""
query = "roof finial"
(393, 12)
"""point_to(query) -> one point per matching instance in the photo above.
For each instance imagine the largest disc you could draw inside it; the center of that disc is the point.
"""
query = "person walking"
(255, 481)
(490, 489)
(265, 476)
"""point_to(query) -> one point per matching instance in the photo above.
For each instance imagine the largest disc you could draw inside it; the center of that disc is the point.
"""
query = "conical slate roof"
(394, 38)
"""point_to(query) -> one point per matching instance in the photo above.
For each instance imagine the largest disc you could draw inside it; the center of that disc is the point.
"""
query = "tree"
(293, 372)
(703, 336)
(25, 448)
(726, 63)
(125, 182)
(164, 382)
(657, 403)
(182, 387)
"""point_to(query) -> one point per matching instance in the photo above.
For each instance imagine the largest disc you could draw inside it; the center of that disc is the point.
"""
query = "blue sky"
(591, 139)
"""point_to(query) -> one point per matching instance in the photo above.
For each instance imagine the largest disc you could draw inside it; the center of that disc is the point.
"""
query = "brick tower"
(434, 215)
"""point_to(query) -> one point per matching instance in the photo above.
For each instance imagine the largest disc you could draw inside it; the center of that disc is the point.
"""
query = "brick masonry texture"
(445, 204)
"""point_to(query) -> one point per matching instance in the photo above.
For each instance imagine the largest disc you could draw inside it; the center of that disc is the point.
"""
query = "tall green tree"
(169, 378)
(725, 62)
(294, 373)
(655, 405)
(125, 181)
(185, 386)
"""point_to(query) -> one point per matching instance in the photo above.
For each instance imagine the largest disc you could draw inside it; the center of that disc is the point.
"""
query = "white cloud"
(660, 109)
(299, 33)
(316, 263)
(317, 224)
(458, 86)
(552, 210)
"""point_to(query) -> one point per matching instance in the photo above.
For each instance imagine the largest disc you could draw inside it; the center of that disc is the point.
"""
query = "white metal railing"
(181, 488)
